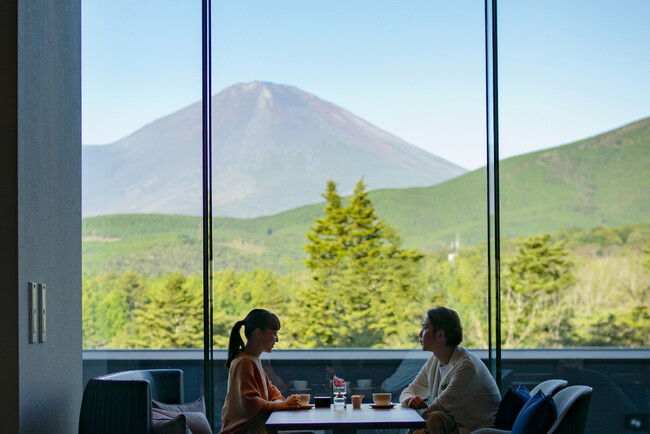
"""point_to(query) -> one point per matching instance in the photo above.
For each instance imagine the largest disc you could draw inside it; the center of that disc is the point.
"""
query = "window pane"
(142, 203)
(574, 101)
(392, 95)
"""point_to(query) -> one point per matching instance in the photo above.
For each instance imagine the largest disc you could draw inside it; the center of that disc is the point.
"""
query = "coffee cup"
(381, 398)
(304, 399)
(299, 384)
(364, 383)
(356, 401)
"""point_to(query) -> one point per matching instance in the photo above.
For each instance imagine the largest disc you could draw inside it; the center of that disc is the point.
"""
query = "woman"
(251, 397)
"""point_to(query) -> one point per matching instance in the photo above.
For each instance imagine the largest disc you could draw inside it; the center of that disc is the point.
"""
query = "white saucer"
(391, 405)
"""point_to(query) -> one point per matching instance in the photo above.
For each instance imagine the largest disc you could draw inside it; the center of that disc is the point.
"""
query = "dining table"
(344, 420)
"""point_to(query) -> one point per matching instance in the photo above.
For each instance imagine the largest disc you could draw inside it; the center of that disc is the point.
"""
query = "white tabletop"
(347, 419)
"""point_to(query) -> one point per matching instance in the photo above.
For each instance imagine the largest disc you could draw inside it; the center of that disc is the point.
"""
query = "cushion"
(197, 423)
(511, 404)
(537, 416)
(163, 424)
(195, 406)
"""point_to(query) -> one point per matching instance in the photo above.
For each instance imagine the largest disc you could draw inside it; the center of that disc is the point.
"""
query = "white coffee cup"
(381, 398)
(299, 384)
(304, 399)
(364, 383)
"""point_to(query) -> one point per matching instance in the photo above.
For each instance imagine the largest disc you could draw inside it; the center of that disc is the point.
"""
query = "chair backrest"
(549, 387)
(608, 402)
(572, 409)
(121, 402)
(166, 384)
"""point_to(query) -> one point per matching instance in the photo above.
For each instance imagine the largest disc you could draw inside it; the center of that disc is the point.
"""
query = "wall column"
(40, 235)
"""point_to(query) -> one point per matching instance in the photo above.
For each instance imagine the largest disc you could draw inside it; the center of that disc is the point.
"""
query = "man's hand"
(417, 403)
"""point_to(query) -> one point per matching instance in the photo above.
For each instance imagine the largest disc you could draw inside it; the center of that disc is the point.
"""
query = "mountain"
(601, 180)
(274, 148)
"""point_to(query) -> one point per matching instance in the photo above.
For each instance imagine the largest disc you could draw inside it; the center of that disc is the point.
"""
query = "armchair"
(121, 402)
(572, 409)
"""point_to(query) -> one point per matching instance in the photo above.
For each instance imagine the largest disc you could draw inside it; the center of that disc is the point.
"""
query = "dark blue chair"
(121, 402)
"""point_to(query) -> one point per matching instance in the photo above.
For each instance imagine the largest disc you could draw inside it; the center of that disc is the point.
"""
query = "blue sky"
(567, 70)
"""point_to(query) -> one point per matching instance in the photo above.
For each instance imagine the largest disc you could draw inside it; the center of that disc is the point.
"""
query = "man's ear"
(440, 334)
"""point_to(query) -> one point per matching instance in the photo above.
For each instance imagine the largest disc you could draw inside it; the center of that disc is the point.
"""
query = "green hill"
(601, 180)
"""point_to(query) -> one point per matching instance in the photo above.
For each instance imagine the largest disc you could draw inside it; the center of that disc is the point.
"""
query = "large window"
(349, 182)
(350, 187)
(387, 103)
(575, 142)
(142, 195)
(574, 175)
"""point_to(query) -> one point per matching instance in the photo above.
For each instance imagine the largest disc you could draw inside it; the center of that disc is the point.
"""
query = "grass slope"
(601, 180)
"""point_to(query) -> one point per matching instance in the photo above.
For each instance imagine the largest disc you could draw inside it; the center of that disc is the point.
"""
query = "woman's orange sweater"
(247, 405)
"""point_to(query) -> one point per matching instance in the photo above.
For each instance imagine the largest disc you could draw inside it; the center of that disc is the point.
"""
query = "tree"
(622, 327)
(105, 310)
(172, 316)
(364, 289)
(130, 288)
(328, 241)
(459, 283)
(93, 324)
(329, 237)
(533, 283)
(236, 293)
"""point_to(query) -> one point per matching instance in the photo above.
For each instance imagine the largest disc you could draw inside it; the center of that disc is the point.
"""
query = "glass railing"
(620, 376)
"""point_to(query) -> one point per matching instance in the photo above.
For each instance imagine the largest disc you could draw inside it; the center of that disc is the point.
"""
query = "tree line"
(361, 288)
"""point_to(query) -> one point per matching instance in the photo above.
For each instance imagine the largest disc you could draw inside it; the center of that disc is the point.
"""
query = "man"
(463, 395)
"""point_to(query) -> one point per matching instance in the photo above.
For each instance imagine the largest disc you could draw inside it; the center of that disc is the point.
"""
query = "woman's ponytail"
(236, 343)
(256, 319)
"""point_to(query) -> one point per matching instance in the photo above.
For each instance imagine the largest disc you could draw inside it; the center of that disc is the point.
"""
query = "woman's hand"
(417, 403)
(291, 403)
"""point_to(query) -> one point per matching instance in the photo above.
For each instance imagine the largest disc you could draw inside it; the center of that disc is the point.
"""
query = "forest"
(361, 288)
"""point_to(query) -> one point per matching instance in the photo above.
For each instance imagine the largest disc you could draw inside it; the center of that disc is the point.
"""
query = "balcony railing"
(620, 376)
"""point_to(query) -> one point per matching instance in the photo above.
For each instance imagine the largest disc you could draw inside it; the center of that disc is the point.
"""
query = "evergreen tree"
(172, 316)
(329, 236)
(459, 283)
(534, 280)
(91, 300)
(131, 284)
(104, 311)
(237, 293)
(363, 291)
(327, 248)
(130, 288)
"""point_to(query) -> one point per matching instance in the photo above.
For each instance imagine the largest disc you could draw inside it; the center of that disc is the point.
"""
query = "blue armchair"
(121, 402)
